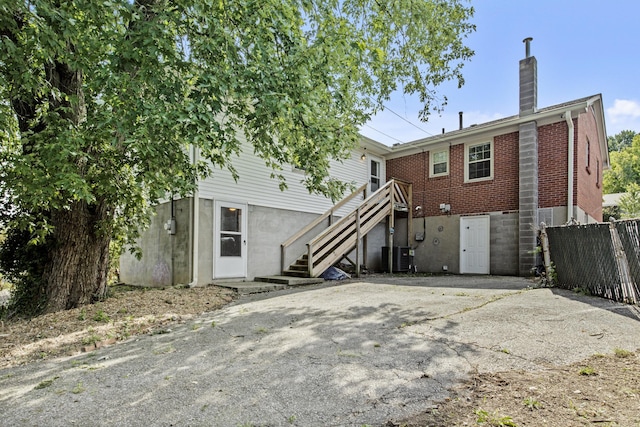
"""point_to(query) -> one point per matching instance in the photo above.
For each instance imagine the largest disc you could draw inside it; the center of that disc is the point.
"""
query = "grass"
(164, 350)
(587, 371)
(45, 383)
(531, 403)
(79, 388)
(621, 353)
(101, 316)
(494, 419)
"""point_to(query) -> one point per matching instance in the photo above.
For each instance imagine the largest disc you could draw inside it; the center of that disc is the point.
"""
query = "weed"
(45, 383)
(494, 420)
(587, 371)
(582, 291)
(621, 353)
(405, 324)
(164, 350)
(262, 330)
(531, 403)
(213, 324)
(79, 388)
(101, 316)
(91, 339)
(505, 351)
(376, 345)
(291, 419)
(82, 315)
(346, 354)
(195, 327)
(462, 294)
(204, 407)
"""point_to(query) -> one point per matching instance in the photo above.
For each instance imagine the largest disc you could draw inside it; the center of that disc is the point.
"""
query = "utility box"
(402, 259)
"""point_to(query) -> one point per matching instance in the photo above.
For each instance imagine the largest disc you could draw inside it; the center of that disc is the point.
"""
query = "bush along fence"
(602, 258)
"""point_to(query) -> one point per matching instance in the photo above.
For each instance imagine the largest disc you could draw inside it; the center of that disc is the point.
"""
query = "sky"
(583, 48)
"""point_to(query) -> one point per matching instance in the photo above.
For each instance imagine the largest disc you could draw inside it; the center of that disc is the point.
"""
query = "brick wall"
(498, 194)
(589, 179)
(552, 165)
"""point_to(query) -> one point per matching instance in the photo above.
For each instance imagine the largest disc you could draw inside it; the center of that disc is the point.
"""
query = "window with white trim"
(375, 177)
(439, 163)
(478, 161)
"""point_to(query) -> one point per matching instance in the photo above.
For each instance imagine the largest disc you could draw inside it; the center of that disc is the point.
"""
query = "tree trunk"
(76, 273)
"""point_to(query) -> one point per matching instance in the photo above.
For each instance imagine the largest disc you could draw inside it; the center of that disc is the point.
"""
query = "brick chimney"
(528, 82)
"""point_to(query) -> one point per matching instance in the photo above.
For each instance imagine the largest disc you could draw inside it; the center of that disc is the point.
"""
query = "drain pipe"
(195, 223)
(569, 120)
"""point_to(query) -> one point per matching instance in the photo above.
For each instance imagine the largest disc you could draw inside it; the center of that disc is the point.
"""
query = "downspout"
(195, 222)
(569, 120)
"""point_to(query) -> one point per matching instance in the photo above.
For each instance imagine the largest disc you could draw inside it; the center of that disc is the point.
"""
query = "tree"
(624, 169)
(630, 202)
(621, 140)
(104, 104)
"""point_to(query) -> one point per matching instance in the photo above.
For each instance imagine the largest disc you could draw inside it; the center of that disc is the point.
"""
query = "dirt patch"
(128, 311)
(601, 391)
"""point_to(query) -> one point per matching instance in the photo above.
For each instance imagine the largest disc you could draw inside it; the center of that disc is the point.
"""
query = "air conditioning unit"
(402, 259)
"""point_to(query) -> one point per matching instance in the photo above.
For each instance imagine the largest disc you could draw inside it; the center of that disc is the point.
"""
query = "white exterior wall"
(256, 187)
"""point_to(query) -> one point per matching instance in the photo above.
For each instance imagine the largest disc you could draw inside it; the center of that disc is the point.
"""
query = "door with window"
(474, 244)
(230, 240)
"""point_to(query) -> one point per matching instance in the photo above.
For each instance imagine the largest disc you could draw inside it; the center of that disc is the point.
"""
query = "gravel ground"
(357, 353)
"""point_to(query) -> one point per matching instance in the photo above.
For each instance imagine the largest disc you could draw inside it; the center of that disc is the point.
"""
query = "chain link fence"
(602, 259)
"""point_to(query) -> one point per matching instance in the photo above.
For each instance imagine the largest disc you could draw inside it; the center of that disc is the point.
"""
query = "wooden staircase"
(345, 235)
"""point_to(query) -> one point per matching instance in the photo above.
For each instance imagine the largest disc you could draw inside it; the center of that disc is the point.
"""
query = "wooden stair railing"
(339, 239)
(328, 214)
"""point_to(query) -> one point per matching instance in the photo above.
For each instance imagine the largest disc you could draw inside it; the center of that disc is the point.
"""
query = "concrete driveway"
(349, 354)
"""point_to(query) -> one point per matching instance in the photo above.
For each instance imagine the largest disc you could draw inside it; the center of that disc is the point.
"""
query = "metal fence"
(603, 259)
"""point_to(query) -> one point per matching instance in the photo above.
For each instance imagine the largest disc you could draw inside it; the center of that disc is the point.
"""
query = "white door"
(474, 244)
(230, 240)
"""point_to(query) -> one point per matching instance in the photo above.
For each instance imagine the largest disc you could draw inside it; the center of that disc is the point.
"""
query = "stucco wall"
(166, 259)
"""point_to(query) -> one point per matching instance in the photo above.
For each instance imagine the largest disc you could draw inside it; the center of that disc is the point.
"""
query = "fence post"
(626, 283)
(546, 256)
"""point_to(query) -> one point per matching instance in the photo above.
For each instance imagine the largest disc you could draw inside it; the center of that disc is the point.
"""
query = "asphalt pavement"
(338, 354)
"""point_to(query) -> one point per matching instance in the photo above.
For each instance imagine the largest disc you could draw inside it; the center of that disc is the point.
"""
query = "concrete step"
(254, 287)
(290, 280)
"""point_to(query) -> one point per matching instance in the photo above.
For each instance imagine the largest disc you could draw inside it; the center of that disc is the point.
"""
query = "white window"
(478, 161)
(439, 163)
(375, 178)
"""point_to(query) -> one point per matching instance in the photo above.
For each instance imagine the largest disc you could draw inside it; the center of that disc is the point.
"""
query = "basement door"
(230, 240)
(474, 244)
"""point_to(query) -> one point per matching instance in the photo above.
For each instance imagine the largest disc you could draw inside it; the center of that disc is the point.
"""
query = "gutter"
(195, 223)
(567, 117)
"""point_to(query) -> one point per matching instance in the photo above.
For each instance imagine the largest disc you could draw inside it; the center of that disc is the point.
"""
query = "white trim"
(432, 154)
(381, 171)
(492, 159)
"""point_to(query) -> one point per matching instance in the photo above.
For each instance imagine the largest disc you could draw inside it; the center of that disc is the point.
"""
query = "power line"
(412, 124)
(388, 136)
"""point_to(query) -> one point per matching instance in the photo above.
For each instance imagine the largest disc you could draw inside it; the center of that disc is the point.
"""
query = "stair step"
(290, 280)
(296, 273)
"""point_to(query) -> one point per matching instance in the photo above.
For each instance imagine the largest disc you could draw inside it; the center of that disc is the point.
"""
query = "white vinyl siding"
(256, 187)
